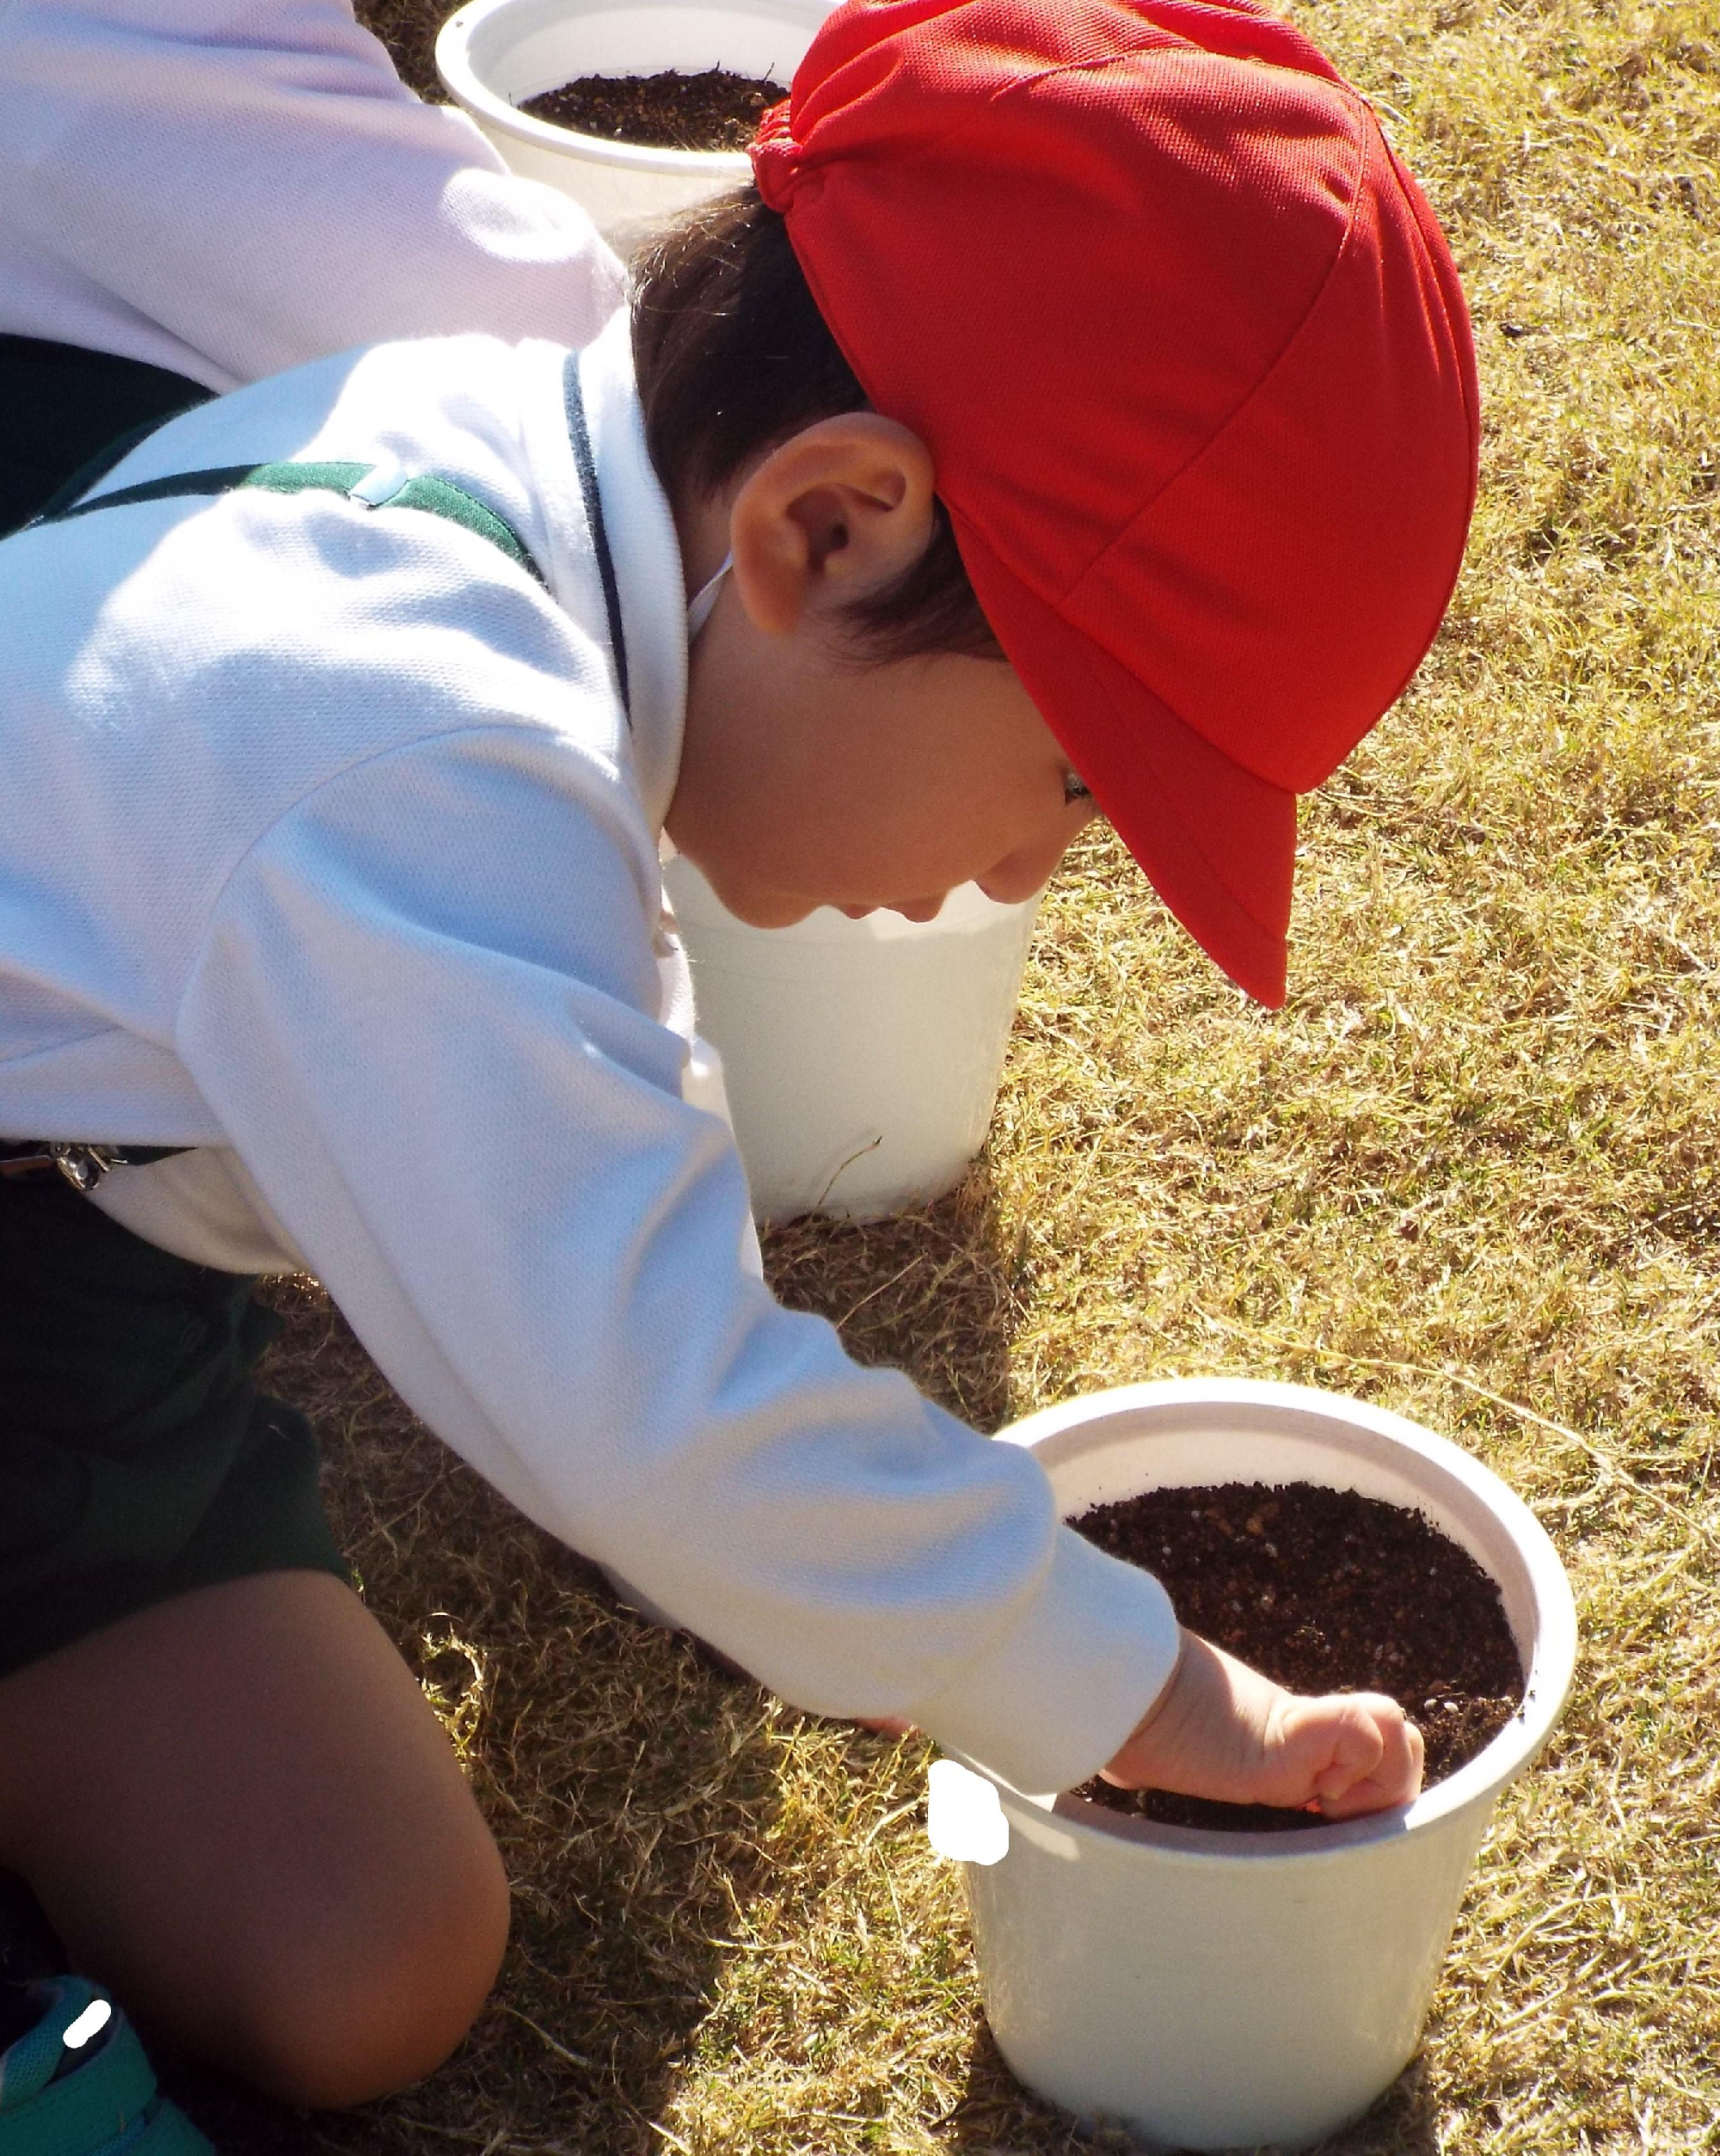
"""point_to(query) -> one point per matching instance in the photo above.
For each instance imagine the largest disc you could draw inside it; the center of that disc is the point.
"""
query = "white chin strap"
(699, 605)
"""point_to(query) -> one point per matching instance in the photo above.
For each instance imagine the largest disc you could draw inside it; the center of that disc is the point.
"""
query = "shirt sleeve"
(424, 1013)
(228, 190)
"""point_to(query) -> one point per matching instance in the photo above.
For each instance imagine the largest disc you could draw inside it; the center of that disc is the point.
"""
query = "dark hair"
(732, 356)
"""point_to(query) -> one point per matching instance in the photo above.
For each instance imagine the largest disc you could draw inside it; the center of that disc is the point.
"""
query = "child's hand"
(1221, 1729)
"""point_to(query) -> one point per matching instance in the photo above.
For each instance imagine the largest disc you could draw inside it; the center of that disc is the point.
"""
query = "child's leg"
(240, 1814)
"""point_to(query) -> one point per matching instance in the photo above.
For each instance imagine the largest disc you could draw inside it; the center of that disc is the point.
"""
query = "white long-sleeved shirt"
(229, 187)
(327, 847)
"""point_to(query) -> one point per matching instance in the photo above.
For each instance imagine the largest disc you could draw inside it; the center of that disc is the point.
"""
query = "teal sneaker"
(78, 2083)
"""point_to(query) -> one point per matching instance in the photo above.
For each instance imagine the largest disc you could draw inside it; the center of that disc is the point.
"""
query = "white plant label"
(964, 1819)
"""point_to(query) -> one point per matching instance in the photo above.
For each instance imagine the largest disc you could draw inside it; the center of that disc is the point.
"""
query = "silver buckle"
(82, 1166)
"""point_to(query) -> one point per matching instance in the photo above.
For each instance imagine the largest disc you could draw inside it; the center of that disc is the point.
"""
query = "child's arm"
(1219, 1728)
(228, 201)
(395, 949)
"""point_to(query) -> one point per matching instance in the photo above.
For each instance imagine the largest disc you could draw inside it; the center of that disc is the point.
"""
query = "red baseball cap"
(1190, 356)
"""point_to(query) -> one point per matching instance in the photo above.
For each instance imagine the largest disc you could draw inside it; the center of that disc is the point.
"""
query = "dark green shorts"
(59, 405)
(138, 1460)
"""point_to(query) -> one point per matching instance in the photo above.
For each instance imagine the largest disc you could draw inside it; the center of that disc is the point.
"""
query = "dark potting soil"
(671, 111)
(1325, 1590)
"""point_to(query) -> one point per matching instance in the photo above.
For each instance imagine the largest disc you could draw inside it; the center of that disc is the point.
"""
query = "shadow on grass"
(996, 2113)
(935, 1292)
(629, 1785)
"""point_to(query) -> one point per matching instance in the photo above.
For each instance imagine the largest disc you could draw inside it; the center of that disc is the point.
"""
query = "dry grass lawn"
(1472, 1171)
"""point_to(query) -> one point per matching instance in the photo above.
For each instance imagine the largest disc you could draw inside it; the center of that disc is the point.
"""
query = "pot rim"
(469, 90)
(1552, 1652)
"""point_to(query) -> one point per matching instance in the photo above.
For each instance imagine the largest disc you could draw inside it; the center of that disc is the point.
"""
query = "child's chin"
(758, 905)
(767, 909)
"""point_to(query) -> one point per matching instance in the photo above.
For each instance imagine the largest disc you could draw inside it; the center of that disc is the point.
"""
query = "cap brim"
(1216, 842)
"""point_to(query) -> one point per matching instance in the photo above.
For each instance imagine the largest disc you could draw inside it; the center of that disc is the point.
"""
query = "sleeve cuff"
(1060, 1693)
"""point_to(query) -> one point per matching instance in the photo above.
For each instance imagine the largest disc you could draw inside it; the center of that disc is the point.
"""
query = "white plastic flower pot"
(495, 54)
(1221, 1990)
(861, 1058)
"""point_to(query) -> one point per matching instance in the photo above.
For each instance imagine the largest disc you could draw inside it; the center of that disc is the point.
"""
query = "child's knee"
(388, 2012)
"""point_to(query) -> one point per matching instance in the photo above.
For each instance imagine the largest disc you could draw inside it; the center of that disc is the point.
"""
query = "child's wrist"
(1162, 1697)
(1140, 1737)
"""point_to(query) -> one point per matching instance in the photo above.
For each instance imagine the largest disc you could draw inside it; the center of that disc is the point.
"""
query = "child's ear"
(840, 509)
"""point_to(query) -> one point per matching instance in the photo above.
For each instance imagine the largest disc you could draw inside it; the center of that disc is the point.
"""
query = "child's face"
(808, 778)
(806, 782)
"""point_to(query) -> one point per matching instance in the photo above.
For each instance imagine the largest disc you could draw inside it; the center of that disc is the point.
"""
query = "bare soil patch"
(714, 110)
(1325, 1590)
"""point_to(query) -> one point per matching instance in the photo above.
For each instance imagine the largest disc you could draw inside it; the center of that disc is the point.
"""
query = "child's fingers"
(1375, 1758)
(1354, 1742)
(1223, 1730)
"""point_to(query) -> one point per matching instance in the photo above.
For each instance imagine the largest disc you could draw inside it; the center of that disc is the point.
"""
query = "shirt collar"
(646, 553)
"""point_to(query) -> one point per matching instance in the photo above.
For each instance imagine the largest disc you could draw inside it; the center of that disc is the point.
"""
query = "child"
(194, 193)
(1080, 410)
